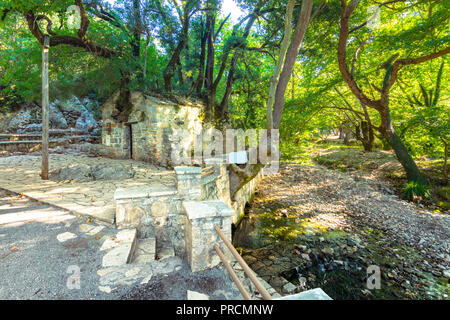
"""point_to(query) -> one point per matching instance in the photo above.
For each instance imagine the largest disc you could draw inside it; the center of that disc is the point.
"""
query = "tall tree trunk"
(444, 166)
(209, 73)
(239, 176)
(169, 71)
(198, 83)
(291, 57)
(367, 136)
(223, 106)
(281, 57)
(387, 130)
(136, 42)
(144, 73)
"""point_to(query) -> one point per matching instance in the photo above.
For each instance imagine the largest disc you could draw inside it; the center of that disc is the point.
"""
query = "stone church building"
(148, 133)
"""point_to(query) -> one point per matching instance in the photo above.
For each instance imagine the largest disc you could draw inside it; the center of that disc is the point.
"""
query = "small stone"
(65, 236)
(328, 251)
(132, 272)
(193, 295)
(446, 273)
(305, 256)
(105, 289)
(289, 288)
(146, 279)
(103, 272)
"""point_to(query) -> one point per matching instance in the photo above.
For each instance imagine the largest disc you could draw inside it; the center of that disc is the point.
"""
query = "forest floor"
(321, 227)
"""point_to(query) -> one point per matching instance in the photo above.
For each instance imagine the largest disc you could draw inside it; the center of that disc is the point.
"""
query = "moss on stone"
(445, 193)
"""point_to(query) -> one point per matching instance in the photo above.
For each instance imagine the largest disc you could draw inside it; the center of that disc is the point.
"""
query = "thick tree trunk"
(364, 133)
(291, 57)
(169, 71)
(281, 57)
(387, 130)
(198, 84)
(347, 134)
(412, 171)
(239, 176)
(209, 73)
(222, 108)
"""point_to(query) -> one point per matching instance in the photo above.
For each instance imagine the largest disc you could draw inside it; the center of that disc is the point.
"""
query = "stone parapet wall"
(217, 187)
(183, 216)
(154, 212)
(245, 195)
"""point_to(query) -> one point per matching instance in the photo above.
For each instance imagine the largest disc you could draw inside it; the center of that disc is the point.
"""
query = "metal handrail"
(233, 275)
(247, 270)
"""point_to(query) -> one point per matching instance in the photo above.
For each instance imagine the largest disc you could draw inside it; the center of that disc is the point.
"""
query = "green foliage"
(416, 189)
(313, 109)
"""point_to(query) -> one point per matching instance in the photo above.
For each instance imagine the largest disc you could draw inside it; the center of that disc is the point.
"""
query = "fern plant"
(416, 189)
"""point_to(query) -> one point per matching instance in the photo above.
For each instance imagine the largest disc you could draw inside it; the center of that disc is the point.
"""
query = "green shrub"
(416, 189)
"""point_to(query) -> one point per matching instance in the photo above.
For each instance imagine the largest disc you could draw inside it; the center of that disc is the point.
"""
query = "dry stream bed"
(317, 227)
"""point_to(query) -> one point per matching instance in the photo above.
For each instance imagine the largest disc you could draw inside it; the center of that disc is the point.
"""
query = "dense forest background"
(371, 70)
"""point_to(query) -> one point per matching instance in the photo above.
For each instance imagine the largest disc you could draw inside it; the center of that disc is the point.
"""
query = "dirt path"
(322, 219)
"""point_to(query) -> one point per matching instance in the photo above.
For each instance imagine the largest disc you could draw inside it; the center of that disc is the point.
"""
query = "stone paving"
(21, 174)
(42, 247)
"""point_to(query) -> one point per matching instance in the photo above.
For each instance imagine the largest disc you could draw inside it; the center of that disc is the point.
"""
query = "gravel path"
(34, 264)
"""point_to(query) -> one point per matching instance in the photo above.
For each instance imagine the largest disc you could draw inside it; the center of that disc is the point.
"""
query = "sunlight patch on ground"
(21, 174)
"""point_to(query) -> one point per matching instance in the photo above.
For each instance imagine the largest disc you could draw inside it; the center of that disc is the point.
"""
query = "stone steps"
(106, 217)
(35, 145)
(145, 251)
(37, 136)
(120, 251)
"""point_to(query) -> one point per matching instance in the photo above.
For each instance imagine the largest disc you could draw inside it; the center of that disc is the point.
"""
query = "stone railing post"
(189, 182)
(201, 217)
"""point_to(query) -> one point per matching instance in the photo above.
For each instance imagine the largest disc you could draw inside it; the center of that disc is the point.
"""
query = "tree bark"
(444, 166)
(169, 71)
(387, 130)
(291, 56)
(136, 41)
(281, 58)
(223, 106)
(209, 72)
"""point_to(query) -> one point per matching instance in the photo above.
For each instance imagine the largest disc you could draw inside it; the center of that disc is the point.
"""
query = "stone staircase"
(32, 142)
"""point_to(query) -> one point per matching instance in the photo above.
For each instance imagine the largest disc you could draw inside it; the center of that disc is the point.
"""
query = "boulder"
(73, 172)
(119, 172)
(20, 120)
(56, 118)
(86, 122)
(72, 109)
